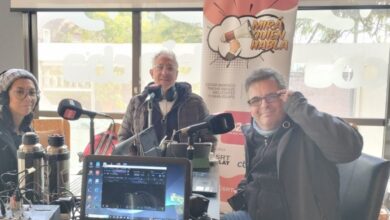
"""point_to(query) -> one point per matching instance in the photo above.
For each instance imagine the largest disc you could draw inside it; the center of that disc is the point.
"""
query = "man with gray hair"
(174, 105)
(291, 153)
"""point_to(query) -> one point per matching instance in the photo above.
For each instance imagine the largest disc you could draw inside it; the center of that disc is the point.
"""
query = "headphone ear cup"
(36, 104)
(171, 94)
(158, 95)
(4, 100)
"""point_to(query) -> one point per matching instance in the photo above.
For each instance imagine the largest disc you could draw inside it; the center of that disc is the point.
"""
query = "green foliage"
(109, 96)
(157, 28)
(372, 28)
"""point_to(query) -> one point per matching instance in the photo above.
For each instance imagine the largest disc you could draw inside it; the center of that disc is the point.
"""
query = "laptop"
(123, 187)
(146, 142)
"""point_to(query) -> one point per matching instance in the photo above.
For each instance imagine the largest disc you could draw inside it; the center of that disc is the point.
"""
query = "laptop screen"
(123, 187)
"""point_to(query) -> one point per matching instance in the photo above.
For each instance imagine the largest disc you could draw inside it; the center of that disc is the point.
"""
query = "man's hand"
(285, 94)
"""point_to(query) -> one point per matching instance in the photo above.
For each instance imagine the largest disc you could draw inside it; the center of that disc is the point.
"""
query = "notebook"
(123, 187)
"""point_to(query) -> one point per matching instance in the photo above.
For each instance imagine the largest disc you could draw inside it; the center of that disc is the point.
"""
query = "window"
(86, 56)
(340, 62)
(180, 32)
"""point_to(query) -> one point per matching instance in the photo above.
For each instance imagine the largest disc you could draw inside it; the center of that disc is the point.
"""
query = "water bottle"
(57, 169)
(30, 167)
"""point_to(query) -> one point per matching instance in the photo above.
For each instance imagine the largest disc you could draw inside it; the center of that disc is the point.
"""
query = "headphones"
(170, 95)
(4, 99)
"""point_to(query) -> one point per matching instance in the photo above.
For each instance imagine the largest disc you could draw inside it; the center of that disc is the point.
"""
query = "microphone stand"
(91, 135)
(190, 148)
(150, 111)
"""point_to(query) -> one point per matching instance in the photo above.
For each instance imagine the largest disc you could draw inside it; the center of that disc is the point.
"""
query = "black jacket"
(9, 143)
(188, 109)
(307, 153)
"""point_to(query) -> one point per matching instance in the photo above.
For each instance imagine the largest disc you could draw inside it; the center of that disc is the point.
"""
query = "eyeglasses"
(168, 67)
(256, 101)
(21, 94)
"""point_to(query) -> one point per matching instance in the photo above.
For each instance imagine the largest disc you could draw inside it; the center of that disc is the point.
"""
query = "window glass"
(86, 56)
(180, 32)
(373, 137)
(79, 133)
(340, 60)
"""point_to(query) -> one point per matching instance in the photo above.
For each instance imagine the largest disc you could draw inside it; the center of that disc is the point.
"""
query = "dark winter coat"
(188, 109)
(311, 144)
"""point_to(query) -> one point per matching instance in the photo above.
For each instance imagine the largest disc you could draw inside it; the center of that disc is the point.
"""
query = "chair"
(48, 126)
(117, 127)
(362, 186)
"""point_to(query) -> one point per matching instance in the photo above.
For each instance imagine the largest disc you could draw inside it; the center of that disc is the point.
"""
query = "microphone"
(124, 147)
(71, 109)
(30, 170)
(154, 90)
(217, 124)
(150, 97)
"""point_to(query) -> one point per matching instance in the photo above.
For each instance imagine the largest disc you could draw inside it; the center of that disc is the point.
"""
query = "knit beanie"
(9, 76)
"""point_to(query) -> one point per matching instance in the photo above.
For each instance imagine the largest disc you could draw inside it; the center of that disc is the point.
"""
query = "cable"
(9, 173)
(2, 207)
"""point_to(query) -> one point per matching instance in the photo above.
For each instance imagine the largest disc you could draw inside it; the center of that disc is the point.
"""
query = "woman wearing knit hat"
(19, 95)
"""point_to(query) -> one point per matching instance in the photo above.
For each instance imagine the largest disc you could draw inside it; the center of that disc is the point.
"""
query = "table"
(214, 200)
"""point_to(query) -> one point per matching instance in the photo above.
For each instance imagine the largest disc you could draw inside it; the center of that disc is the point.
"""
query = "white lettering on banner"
(228, 189)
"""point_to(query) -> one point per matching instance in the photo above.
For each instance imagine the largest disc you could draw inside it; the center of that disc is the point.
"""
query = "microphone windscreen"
(221, 123)
(69, 109)
(153, 88)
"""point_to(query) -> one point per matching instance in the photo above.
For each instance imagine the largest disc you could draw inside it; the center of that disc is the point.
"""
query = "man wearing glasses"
(173, 105)
(19, 95)
(291, 154)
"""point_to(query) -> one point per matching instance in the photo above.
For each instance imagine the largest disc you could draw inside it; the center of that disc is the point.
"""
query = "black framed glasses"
(21, 94)
(257, 100)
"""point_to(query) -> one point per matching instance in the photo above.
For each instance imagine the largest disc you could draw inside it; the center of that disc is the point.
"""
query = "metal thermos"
(30, 166)
(57, 157)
